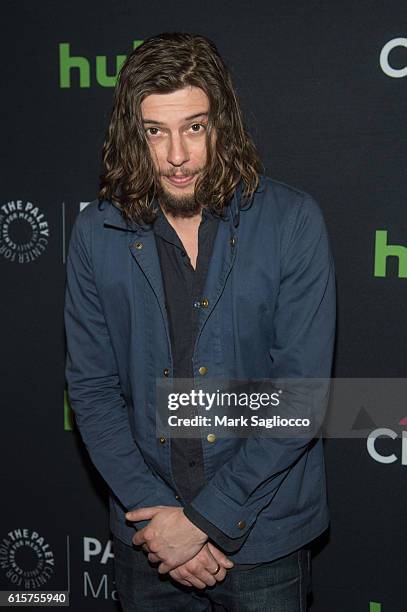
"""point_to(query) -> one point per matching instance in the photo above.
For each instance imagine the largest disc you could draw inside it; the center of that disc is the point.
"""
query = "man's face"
(175, 126)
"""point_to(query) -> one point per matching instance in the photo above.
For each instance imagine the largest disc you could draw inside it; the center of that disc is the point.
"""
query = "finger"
(142, 514)
(219, 556)
(167, 566)
(153, 558)
(195, 581)
(205, 573)
(139, 538)
(204, 576)
(163, 568)
(204, 561)
(176, 576)
(220, 575)
(203, 566)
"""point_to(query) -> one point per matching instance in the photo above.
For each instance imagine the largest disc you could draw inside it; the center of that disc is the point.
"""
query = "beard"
(178, 206)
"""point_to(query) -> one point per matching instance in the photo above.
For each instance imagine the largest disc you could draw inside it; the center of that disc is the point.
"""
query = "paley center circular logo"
(24, 231)
(26, 559)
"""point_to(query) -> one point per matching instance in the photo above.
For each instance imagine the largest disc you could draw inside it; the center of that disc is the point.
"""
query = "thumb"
(142, 514)
(220, 557)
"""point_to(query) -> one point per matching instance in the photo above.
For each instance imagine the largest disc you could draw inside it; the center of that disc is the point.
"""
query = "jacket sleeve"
(302, 347)
(94, 388)
(227, 544)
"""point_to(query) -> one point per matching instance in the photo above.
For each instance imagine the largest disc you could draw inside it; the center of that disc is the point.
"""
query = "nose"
(178, 152)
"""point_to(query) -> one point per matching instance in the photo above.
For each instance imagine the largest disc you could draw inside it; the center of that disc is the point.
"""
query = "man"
(192, 264)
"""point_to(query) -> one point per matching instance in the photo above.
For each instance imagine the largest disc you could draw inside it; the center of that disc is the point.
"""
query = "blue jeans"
(278, 586)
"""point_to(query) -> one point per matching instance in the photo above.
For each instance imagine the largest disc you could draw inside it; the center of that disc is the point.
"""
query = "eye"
(152, 131)
(197, 125)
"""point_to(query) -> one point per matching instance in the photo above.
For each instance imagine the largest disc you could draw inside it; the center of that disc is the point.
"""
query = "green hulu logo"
(383, 250)
(69, 63)
(69, 422)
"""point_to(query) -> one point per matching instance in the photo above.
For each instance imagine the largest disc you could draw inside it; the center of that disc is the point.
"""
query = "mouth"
(180, 181)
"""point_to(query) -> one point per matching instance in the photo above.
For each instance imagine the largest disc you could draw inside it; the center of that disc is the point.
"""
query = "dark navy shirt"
(184, 288)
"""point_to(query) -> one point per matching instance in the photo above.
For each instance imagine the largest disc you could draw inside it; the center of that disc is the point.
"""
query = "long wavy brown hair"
(164, 64)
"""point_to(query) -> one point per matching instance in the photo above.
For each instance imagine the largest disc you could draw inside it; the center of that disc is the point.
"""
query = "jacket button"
(203, 370)
(177, 497)
(211, 437)
(162, 440)
(138, 245)
(232, 241)
(166, 372)
(205, 303)
(241, 524)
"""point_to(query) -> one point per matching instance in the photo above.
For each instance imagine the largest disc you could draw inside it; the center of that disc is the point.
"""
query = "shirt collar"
(163, 228)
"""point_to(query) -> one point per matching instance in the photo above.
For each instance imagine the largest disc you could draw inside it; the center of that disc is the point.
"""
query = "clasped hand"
(179, 546)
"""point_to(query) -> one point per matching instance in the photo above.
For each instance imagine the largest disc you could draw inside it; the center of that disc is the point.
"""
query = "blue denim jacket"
(271, 314)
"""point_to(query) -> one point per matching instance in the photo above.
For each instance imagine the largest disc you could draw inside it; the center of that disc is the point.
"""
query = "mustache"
(181, 172)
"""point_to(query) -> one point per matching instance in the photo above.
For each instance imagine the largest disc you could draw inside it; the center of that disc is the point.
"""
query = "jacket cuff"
(230, 518)
(223, 541)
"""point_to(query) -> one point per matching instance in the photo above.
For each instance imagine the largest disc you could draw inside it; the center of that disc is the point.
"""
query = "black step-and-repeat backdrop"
(323, 86)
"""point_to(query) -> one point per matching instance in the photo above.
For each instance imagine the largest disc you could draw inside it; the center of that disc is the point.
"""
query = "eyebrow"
(204, 114)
